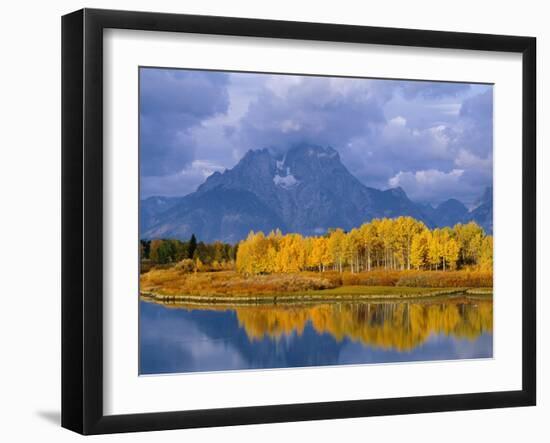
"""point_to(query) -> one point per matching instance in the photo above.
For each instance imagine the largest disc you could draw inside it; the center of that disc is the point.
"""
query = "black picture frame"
(82, 218)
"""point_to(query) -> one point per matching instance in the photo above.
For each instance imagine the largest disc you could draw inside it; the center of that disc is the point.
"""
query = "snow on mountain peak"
(286, 182)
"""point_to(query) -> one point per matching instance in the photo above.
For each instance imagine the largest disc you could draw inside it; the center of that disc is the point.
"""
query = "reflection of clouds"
(437, 347)
(482, 347)
(207, 353)
(176, 342)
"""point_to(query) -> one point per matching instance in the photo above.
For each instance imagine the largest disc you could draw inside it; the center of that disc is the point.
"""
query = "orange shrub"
(417, 279)
(454, 279)
(173, 281)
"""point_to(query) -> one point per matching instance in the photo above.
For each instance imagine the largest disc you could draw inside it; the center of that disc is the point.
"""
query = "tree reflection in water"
(401, 326)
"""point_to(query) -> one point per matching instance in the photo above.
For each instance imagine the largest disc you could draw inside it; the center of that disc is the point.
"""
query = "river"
(184, 338)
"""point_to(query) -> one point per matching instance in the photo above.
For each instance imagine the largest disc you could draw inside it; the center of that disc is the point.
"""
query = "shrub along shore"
(175, 285)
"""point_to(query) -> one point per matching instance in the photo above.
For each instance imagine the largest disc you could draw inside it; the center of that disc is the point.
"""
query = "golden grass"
(224, 285)
(172, 282)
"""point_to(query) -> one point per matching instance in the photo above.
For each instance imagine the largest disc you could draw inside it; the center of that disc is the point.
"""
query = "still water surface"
(182, 338)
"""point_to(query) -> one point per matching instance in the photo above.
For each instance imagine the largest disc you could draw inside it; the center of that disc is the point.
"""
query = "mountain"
(151, 210)
(220, 214)
(452, 211)
(482, 213)
(449, 213)
(308, 190)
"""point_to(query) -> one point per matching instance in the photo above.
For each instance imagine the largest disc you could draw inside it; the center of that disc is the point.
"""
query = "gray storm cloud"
(433, 139)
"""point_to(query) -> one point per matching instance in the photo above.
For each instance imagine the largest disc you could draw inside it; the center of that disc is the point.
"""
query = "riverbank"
(341, 294)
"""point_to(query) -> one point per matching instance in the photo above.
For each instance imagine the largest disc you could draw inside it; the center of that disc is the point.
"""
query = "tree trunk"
(368, 259)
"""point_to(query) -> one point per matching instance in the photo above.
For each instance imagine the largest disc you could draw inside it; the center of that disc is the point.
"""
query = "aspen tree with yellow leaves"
(398, 244)
(419, 250)
(336, 248)
(320, 256)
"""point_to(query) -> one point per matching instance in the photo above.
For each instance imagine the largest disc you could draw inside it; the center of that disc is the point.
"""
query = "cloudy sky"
(433, 139)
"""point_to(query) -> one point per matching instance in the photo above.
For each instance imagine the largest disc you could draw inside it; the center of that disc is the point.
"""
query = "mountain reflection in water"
(186, 338)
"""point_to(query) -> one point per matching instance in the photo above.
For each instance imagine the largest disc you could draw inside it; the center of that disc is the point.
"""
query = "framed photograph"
(268, 221)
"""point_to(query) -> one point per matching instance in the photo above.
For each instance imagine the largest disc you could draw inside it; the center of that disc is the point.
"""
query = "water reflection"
(180, 338)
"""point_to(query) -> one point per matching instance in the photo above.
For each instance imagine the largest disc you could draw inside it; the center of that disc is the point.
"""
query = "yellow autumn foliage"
(402, 244)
